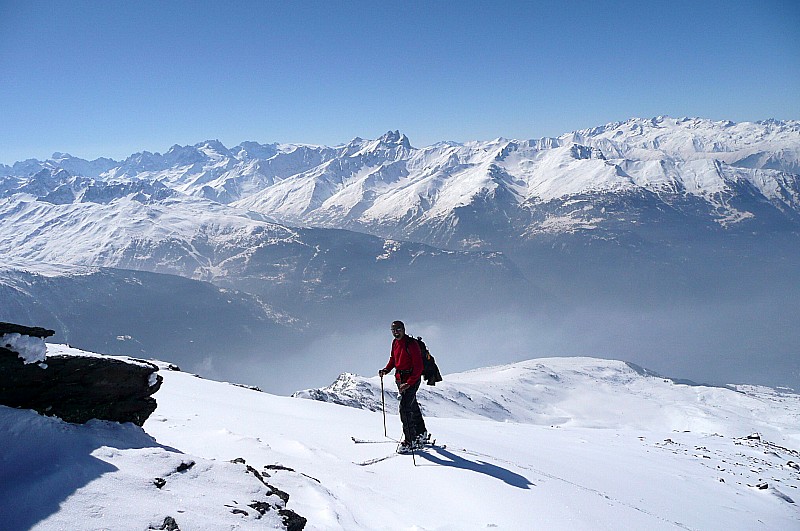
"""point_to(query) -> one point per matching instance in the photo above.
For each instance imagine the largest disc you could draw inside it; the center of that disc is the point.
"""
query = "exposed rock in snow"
(76, 387)
(104, 475)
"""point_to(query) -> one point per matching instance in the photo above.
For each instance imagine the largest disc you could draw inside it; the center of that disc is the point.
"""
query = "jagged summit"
(392, 144)
(397, 138)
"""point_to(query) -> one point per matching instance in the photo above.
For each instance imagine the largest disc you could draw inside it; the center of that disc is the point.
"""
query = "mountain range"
(640, 238)
(722, 172)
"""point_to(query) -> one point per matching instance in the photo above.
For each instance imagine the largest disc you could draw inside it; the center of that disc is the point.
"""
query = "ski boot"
(405, 448)
(423, 439)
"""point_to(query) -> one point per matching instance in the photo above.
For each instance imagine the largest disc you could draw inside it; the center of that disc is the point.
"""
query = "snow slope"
(610, 461)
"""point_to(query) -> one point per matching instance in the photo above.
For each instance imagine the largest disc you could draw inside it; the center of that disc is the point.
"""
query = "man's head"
(398, 329)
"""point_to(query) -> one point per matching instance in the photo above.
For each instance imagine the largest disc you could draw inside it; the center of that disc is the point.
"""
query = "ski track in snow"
(574, 484)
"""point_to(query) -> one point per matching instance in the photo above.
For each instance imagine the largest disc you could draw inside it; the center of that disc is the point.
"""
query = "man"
(406, 360)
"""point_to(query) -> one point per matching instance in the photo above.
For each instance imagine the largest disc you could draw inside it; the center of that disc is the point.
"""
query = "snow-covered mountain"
(601, 445)
(624, 178)
(485, 193)
(503, 192)
(643, 192)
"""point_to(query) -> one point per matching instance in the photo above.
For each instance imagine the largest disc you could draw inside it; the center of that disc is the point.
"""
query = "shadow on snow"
(452, 460)
(45, 460)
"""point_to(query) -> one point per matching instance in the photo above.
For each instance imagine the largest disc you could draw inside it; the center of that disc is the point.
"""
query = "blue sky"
(108, 78)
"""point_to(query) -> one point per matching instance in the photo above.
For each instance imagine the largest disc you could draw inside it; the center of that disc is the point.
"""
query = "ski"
(432, 444)
(377, 459)
(368, 462)
(370, 441)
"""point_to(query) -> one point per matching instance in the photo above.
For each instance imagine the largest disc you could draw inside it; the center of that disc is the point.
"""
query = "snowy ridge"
(694, 138)
(582, 392)
(178, 234)
(125, 231)
(588, 472)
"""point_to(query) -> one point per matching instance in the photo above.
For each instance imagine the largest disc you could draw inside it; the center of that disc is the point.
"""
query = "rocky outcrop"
(292, 520)
(32, 331)
(74, 388)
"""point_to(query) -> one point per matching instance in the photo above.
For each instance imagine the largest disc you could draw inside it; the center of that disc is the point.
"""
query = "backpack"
(430, 371)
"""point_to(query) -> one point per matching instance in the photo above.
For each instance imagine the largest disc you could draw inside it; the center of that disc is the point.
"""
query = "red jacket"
(406, 358)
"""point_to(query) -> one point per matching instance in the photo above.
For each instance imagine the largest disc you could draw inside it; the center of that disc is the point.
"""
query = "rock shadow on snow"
(46, 460)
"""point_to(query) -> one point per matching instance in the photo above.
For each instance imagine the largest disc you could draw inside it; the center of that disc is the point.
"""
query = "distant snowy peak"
(254, 151)
(689, 138)
(59, 161)
(58, 186)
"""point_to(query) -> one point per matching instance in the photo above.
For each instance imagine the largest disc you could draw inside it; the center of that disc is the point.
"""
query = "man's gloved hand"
(382, 372)
(403, 387)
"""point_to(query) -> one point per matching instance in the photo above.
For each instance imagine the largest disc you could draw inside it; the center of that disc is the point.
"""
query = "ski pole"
(383, 407)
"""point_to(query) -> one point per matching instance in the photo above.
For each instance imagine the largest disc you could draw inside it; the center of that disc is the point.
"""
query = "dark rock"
(312, 478)
(251, 387)
(278, 467)
(77, 388)
(11, 328)
(159, 482)
(279, 493)
(260, 506)
(273, 490)
(257, 474)
(183, 467)
(292, 520)
(169, 525)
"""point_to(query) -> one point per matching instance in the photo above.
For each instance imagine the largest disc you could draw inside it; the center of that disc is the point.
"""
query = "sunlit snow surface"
(581, 444)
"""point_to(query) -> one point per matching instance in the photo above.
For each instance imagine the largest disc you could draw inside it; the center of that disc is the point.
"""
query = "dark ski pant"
(410, 415)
